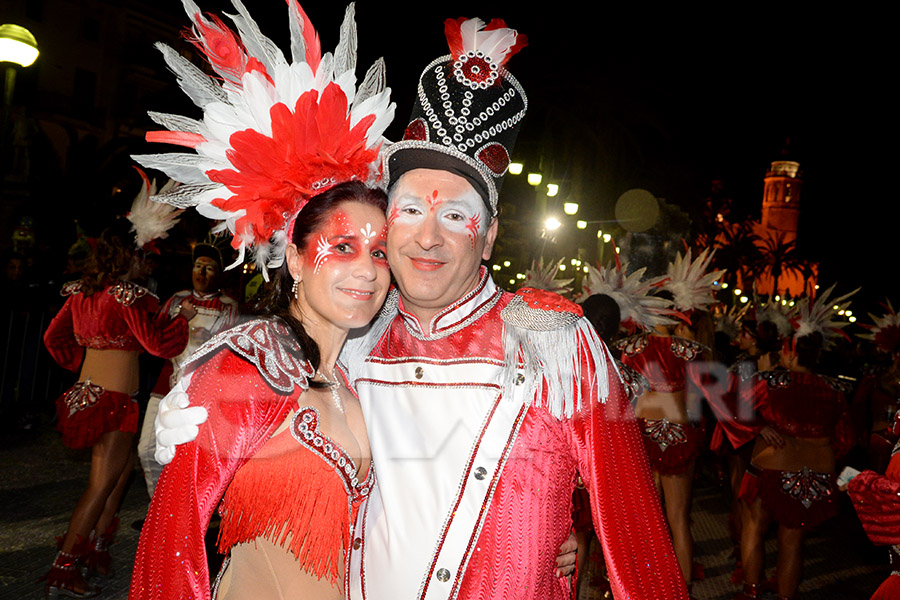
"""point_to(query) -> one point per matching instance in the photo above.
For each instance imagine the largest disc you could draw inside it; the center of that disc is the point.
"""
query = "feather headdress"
(540, 277)
(885, 330)
(819, 315)
(632, 293)
(778, 312)
(274, 132)
(151, 220)
(729, 322)
(689, 282)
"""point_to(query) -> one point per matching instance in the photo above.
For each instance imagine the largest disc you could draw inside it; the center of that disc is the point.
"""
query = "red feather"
(310, 37)
(178, 138)
(220, 46)
(454, 35)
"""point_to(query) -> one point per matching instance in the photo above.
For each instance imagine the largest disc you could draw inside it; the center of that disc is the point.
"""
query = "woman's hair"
(767, 337)
(313, 216)
(110, 259)
(808, 349)
(604, 314)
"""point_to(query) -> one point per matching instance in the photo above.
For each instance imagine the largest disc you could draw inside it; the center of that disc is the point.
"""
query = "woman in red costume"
(802, 426)
(877, 501)
(105, 323)
(285, 443)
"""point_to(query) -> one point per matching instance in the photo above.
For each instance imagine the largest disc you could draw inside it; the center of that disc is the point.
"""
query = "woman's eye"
(343, 248)
(379, 254)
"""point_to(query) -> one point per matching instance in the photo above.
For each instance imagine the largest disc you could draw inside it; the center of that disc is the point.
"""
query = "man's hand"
(176, 421)
(565, 560)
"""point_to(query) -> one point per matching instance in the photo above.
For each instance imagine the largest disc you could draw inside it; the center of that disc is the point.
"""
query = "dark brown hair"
(313, 216)
(110, 259)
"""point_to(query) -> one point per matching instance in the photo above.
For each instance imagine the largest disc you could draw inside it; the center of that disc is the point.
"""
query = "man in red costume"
(483, 407)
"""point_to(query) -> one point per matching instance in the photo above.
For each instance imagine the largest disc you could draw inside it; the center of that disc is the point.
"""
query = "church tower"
(781, 199)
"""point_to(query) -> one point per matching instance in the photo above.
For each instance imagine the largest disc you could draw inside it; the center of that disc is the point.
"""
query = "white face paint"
(439, 230)
(367, 233)
(323, 251)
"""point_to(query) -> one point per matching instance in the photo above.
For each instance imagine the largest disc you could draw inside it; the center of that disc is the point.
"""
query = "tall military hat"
(467, 111)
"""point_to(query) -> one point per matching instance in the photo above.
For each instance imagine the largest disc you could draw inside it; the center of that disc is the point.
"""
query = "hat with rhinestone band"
(467, 110)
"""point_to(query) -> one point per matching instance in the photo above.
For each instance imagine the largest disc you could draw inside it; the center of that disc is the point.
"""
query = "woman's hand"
(772, 437)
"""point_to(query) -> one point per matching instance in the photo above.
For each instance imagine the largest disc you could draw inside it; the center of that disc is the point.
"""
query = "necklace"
(334, 386)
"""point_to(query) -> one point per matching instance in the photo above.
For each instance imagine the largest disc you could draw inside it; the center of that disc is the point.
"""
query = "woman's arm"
(243, 412)
(60, 339)
(159, 334)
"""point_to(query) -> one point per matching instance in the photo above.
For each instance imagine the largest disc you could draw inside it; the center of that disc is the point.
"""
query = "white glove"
(176, 421)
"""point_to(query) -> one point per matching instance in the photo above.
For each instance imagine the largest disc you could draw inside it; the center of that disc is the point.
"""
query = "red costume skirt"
(86, 411)
(796, 499)
(671, 447)
(890, 588)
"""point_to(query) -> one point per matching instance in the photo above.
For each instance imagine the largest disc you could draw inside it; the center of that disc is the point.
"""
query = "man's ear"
(489, 239)
(294, 260)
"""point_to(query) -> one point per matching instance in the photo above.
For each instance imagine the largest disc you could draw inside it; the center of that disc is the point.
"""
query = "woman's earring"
(295, 288)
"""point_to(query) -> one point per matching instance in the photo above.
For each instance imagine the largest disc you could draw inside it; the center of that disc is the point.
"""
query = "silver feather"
(180, 166)
(195, 83)
(184, 196)
(256, 43)
(345, 53)
(298, 45)
(373, 83)
(176, 122)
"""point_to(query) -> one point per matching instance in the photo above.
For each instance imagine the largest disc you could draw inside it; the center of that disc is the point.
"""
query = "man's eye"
(411, 210)
(455, 217)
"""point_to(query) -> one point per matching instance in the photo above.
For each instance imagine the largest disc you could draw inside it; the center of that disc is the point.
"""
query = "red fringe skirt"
(797, 499)
(86, 411)
(671, 447)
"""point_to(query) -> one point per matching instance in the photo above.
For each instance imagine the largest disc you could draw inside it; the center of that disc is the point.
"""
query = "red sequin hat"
(467, 111)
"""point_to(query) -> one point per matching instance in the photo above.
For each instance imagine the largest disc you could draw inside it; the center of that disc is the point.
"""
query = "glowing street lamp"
(606, 237)
(17, 45)
(552, 224)
(570, 208)
(581, 224)
(552, 190)
(506, 263)
(599, 234)
(534, 179)
(515, 168)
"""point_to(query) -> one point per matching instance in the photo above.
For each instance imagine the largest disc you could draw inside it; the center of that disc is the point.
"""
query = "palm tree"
(738, 250)
(781, 257)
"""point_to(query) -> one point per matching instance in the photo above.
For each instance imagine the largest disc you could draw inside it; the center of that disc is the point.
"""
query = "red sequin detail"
(477, 70)
(416, 130)
(549, 301)
(495, 157)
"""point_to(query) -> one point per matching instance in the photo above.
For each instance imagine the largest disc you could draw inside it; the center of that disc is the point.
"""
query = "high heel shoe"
(98, 561)
(751, 592)
(64, 580)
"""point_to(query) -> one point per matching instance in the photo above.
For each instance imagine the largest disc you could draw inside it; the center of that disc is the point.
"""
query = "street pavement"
(40, 481)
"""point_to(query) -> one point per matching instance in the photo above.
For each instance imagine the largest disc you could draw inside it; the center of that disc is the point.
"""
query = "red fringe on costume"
(788, 511)
(113, 411)
(676, 458)
(257, 504)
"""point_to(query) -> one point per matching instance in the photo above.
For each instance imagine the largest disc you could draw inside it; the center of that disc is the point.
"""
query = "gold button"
(357, 543)
(419, 372)
(520, 379)
(443, 575)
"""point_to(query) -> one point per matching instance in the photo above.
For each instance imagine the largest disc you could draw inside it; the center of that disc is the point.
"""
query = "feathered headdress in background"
(885, 330)
(689, 282)
(730, 321)
(274, 133)
(540, 277)
(632, 293)
(780, 313)
(151, 220)
(820, 316)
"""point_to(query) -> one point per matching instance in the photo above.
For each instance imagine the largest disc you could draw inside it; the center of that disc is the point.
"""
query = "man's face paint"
(437, 237)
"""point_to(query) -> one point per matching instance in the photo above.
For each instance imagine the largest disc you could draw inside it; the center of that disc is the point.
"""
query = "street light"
(570, 208)
(534, 179)
(515, 168)
(606, 237)
(552, 190)
(599, 234)
(506, 263)
(581, 224)
(17, 45)
(552, 224)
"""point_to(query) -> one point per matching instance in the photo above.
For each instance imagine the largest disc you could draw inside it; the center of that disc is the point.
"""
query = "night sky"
(670, 100)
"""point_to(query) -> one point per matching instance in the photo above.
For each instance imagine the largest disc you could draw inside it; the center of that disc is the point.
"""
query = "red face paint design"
(433, 201)
(392, 215)
(341, 241)
(473, 227)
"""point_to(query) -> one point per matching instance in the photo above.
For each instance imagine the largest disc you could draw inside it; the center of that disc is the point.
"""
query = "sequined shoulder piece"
(686, 349)
(268, 345)
(635, 383)
(745, 369)
(540, 310)
(779, 378)
(634, 344)
(838, 384)
(72, 287)
(126, 292)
